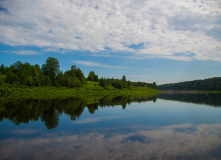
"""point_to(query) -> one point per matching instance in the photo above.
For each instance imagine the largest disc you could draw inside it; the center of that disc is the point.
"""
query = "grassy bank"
(89, 89)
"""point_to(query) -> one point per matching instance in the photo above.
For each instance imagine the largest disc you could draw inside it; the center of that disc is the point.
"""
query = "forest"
(49, 74)
(211, 84)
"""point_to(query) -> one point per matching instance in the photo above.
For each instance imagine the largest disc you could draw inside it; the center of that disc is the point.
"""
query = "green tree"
(2, 69)
(95, 78)
(51, 68)
(80, 75)
(47, 81)
(103, 82)
(30, 81)
(92, 77)
(25, 72)
(60, 79)
(1, 80)
(154, 85)
(37, 74)
(72, 82)
(129, 83)
(124, 78)
(17, 65)
(74, 77)
(11, 77)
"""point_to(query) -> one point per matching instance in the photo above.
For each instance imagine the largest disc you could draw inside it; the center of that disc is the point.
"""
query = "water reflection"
(49, 110)
(184, 141)
(208, 99)
(91, 128)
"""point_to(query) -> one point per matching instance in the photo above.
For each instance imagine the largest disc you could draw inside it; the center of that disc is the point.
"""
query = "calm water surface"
(169, 127)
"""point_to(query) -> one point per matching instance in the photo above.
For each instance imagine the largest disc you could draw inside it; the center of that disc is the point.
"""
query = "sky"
(162, 41)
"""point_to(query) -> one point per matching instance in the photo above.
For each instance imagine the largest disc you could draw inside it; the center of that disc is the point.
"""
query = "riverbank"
(89, 89)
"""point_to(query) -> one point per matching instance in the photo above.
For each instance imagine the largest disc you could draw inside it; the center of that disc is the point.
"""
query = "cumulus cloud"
(158, 29)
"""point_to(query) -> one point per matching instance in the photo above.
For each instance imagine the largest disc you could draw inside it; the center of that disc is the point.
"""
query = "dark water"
(173, 127)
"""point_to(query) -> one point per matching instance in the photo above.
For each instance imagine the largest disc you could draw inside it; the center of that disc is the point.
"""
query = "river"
(170, 126)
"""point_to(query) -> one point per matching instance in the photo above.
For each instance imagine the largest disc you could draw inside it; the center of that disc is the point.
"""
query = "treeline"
(212, 84)
(123, 83)
(49, 74)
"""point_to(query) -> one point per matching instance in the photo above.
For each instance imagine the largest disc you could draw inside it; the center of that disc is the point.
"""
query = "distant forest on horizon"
(211, 84)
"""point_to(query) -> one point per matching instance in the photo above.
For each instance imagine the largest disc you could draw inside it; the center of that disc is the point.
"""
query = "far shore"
(188, 92)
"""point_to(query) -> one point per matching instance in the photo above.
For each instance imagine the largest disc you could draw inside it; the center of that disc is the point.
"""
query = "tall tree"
(124, 78)
(37, 75)
(154, 85)
(80, 75)
(74, 77)
(2, 69)
(60, 78)
(51, 68)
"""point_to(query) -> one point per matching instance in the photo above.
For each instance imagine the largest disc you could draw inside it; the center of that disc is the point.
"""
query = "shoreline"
(89, 90)
(188, 92)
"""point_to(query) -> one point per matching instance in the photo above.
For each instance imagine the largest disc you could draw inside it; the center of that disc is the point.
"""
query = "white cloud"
(95, 64)
(26, 52)
(166, 27)
(94, 120)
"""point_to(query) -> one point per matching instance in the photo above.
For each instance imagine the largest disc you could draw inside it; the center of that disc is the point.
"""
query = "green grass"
(90, 89)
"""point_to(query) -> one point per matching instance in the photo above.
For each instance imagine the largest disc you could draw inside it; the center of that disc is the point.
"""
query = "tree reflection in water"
(162, 130)
(202, 98)
(49, 110)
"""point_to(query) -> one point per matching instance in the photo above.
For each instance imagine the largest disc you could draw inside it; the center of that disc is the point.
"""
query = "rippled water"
(170, 127)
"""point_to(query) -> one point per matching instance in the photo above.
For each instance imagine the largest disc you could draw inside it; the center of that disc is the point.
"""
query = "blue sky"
(159, 41)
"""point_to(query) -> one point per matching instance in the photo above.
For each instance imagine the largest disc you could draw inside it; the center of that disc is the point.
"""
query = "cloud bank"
(179, 30)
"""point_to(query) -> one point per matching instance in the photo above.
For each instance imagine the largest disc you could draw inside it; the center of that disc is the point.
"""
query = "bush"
(73, 82)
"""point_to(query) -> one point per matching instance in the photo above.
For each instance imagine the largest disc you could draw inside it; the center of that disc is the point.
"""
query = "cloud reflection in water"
(184, 141)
